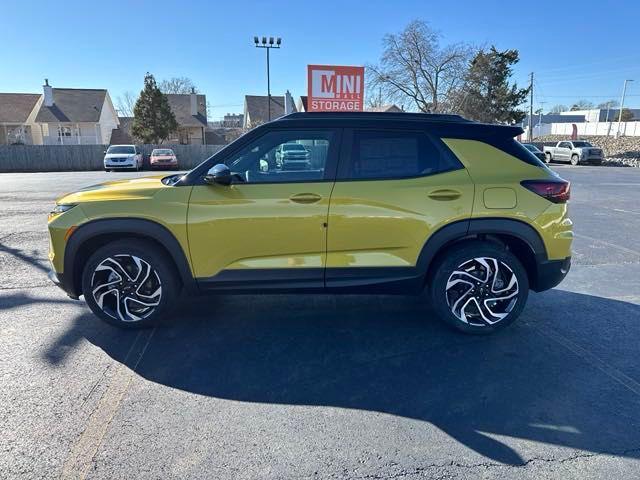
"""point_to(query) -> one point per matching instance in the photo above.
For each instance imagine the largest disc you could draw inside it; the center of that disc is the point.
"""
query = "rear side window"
(516, 149)
(387, 154)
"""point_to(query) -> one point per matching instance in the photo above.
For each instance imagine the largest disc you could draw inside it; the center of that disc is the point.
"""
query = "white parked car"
(117, 157)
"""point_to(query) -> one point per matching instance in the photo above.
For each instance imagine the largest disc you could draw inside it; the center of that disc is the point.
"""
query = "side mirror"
(219, 174)
(105, 152)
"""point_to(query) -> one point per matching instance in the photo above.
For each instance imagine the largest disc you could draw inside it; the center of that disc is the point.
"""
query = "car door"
(564, 151)
(268, 228)
(394, 188)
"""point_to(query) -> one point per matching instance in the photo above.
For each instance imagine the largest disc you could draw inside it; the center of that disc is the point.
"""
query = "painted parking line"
(85, 448)
(595, 361)
(608, 244)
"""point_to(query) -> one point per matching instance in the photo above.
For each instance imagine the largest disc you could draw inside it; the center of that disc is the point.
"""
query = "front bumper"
(114, 166)
(550, 273)
(59, 281)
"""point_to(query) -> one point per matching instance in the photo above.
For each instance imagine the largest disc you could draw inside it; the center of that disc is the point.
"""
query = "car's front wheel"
(547, 158)
(479, 287)
(130, 283)
(575, 159)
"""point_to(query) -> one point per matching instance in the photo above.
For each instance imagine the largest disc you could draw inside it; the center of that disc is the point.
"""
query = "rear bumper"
(550, 273)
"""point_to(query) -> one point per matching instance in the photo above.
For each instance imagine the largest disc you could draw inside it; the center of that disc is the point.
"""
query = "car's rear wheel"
(575, 159)
(479, 287)
(130, 284)
(547, 158)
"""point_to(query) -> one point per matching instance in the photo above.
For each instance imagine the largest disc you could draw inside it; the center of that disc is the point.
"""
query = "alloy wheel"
(126, 287)
(482, 291)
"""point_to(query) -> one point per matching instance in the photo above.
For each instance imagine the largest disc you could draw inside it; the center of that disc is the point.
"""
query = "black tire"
(130, 313)
(547, 158)
(444, 300)
(575, 159)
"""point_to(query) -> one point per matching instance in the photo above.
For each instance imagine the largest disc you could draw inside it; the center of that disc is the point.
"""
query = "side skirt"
(357, 280)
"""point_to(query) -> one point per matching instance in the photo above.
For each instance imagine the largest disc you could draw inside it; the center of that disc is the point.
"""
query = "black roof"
(443, 124)
(403, 116)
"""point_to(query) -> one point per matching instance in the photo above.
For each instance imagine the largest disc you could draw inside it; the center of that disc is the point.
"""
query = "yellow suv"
(380, 203)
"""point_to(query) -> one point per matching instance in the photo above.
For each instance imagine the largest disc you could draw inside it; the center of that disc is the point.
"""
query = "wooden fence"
(58, 158)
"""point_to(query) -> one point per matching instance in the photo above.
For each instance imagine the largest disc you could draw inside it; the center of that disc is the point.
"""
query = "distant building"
(256, 110)
(190, 110)
(232, 120)
(602, 114)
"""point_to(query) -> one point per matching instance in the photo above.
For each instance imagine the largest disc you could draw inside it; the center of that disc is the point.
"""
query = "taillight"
(554, 190)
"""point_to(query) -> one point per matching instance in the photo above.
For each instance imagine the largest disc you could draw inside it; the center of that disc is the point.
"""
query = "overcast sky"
(578, 49)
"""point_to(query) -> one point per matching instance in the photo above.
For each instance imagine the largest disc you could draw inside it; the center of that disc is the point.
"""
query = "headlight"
(61, 209)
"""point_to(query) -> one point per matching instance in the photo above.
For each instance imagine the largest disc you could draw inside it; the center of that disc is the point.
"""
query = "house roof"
(73, 105)
(256, 108)
(122, 134)
(385, 108)
(16, 107)
(180, 104)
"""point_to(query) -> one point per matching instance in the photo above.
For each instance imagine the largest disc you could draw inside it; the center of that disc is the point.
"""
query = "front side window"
(565, 145)
(396, 154)
(284, 156)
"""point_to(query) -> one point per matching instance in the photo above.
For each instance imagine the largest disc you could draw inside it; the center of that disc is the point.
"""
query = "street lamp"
(624, 91)
(268, 45)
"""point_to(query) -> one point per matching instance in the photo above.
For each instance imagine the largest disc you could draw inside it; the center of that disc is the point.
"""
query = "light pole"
(268, 46)
(624, 91)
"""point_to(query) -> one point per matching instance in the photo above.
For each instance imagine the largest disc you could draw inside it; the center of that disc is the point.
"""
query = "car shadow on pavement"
(10, 301)
(25, 257)
(388, 354)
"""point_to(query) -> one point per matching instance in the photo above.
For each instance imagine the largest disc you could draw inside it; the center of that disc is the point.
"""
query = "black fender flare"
(137, 226)
(472, 227)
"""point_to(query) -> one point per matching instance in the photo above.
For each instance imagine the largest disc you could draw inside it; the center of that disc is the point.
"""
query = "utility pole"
(624, 91)
(268, 46)
(531, 108)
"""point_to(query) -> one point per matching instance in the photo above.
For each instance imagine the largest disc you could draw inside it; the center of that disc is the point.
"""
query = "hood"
(119, 155)
(134, 188)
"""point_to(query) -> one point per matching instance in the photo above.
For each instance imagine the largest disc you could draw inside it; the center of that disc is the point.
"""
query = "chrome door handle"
(305, 198)
(444, 194)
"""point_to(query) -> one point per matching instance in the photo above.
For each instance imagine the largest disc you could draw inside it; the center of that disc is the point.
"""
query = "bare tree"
(609, 104)
(177, 85)
(125, 104)
(582, 105)
(558, 108)
(415, 67)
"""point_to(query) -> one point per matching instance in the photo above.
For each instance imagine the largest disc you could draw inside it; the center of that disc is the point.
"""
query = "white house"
(74, 116)
(59, 116)
(16, 117)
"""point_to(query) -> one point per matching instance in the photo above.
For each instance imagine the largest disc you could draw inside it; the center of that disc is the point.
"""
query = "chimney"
(48, 93)
(194, 102)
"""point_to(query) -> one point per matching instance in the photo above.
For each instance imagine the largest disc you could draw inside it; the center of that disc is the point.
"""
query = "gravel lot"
(324, 386)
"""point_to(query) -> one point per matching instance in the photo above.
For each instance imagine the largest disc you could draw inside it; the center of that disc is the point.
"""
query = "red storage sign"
(334, 88)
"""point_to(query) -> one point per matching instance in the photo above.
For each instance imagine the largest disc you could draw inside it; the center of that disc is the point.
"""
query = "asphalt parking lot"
(324, 386)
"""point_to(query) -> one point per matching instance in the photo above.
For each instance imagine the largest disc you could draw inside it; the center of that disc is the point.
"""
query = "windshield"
(293, 146)
(121, 149)
(162, 151)
(582, 144)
